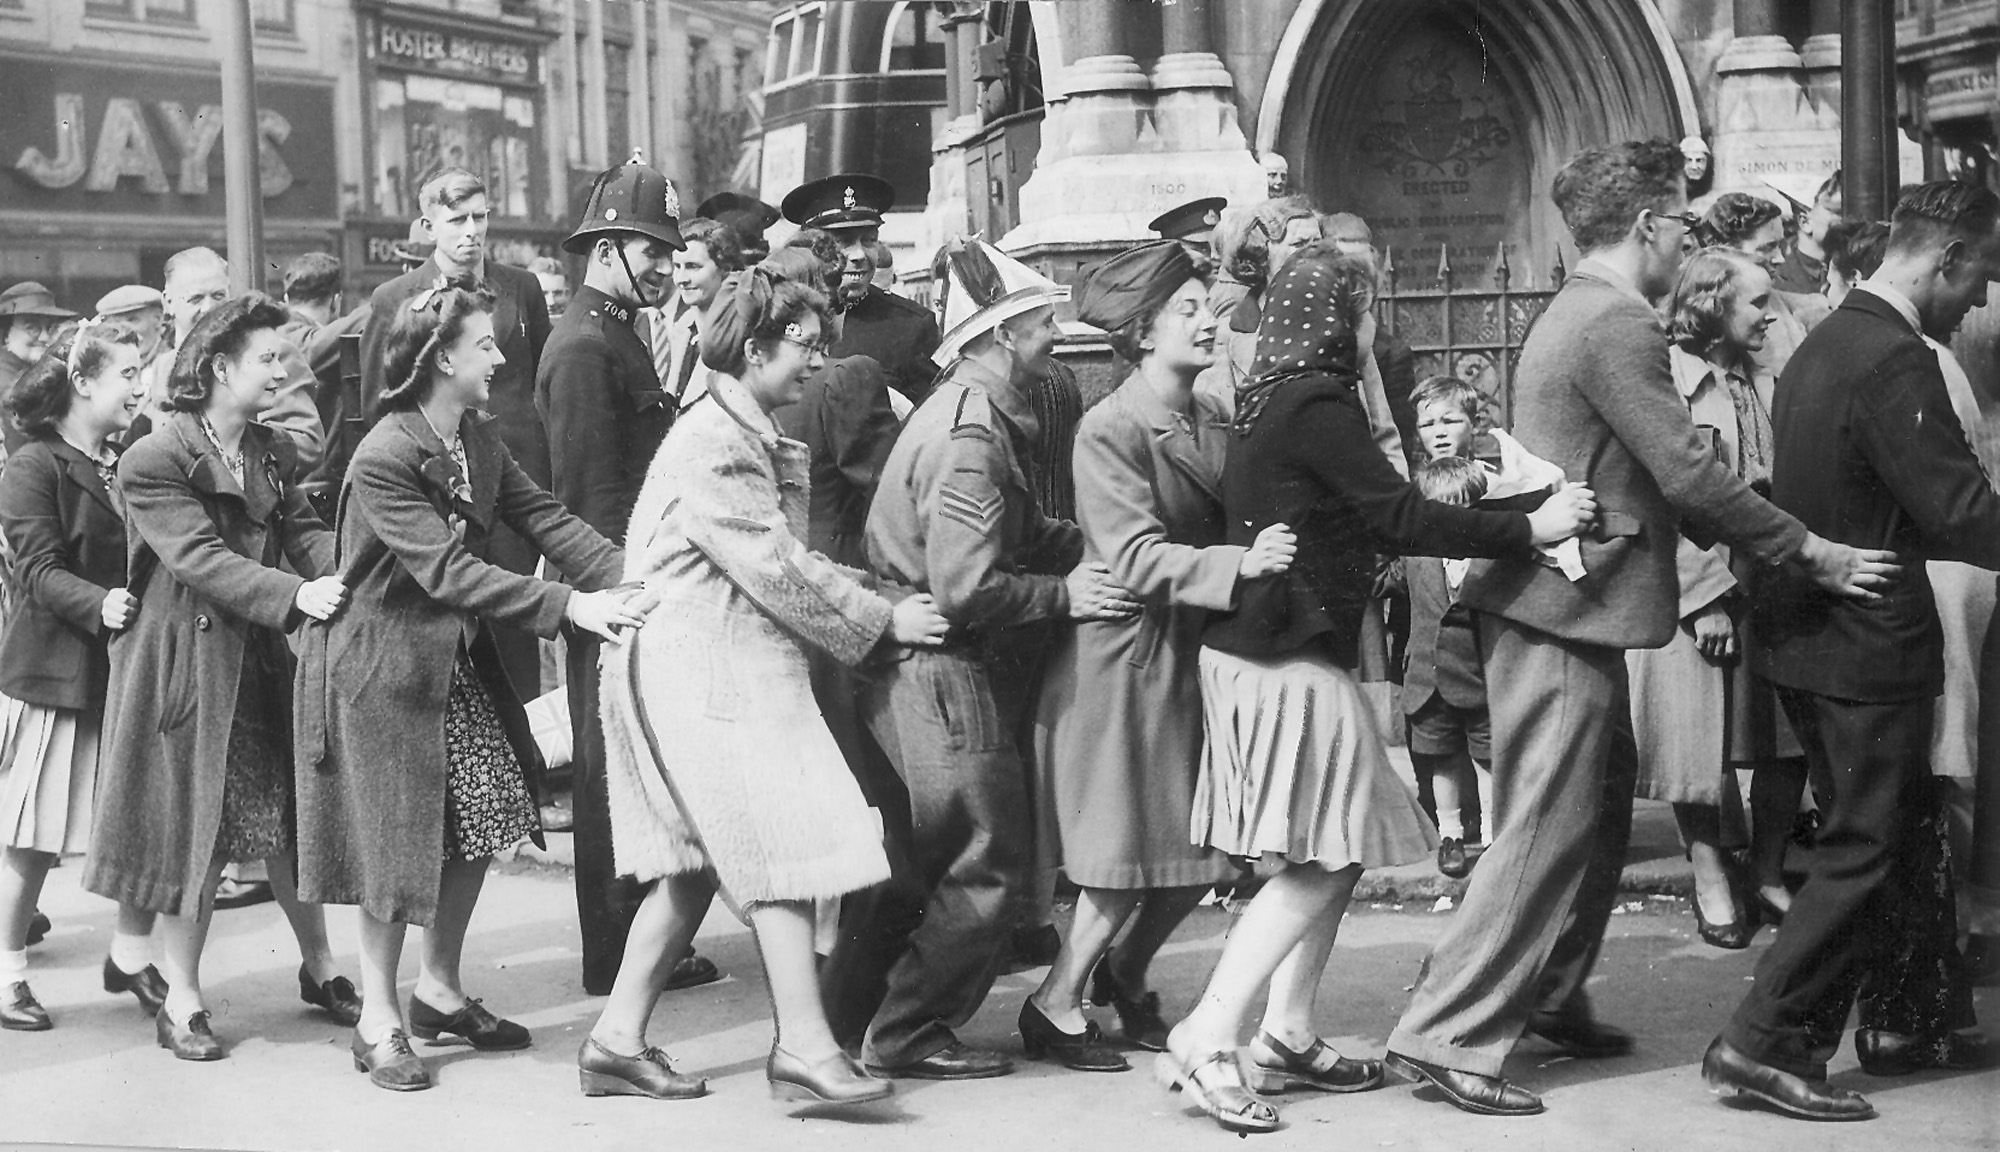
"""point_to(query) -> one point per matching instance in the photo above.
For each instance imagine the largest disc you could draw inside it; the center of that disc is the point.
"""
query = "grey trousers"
(971, 845)
(1529, 930)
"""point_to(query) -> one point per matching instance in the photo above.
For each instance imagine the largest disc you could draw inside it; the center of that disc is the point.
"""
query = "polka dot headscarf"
(1304, 331)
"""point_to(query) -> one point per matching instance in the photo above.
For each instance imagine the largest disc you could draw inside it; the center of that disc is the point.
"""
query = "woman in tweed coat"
(752, 791)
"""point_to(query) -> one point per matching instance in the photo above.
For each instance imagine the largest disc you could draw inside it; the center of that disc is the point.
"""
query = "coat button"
(201, 623)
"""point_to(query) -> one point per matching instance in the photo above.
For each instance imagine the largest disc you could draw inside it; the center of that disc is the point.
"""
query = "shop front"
(441, 90)
(112, 165)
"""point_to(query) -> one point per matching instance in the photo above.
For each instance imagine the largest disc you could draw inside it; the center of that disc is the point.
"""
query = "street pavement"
(98, 1079)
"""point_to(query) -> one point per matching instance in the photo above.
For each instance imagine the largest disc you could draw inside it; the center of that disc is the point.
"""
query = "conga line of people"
(798, 602)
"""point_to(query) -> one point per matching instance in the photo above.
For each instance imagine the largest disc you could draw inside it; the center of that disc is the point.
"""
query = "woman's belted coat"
(202, 558)
(374, 682)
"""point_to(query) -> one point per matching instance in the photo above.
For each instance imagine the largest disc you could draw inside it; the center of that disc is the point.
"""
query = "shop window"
(427, 123)
(795, 45)
(162, 11)
(915, 40)
(278, 16)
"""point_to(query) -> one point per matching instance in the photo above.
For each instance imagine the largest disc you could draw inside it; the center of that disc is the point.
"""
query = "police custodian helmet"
(631, 199)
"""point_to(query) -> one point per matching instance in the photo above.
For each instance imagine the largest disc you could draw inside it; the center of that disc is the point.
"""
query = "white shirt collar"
(1896, 300)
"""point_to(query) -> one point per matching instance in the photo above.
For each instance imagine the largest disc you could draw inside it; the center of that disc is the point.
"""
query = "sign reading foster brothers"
(449, 52)
(107, 138)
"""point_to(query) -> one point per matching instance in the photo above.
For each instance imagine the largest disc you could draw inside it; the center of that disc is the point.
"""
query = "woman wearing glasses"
(720, 765)
(196, 769)
(412, 741)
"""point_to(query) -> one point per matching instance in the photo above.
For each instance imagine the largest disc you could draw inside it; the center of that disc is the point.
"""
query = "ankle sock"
(13, 965)
(130, 954)
(1451, 825)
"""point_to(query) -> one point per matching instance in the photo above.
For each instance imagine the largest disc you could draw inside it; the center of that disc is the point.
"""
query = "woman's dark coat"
(373, 684)
(203, 555)
(68, 543)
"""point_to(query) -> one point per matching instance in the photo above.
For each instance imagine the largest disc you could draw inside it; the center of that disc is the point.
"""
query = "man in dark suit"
(606, 415)
(900, 334)
(1869, 450)
(455, 217)
(1596, 396)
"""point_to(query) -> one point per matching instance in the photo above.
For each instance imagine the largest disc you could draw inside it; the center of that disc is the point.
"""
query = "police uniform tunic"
(955, 515)
(900, 334)
(606, 416)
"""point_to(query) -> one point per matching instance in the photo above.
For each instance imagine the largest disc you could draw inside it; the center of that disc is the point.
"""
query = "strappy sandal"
(1231, 1105)
(1272, 1067)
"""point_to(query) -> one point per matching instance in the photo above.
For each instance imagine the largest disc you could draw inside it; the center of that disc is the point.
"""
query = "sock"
(1450, 825)
(131, 954)
(13, 966)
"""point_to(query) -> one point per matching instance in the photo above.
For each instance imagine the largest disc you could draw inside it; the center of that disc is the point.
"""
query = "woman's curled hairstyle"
(757, 305)
(1709, 282)
(42, 396)
(421, 327)
(219, 334)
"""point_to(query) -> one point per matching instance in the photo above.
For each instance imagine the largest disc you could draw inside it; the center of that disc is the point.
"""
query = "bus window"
(795, 45)
(915, 42)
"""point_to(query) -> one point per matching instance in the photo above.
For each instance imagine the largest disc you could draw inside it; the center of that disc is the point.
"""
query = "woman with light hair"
(1252, 243)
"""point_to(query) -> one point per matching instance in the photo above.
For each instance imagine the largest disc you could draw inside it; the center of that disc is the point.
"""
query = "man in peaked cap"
(1192, 223)
(900, 334)
(606, 415)
(954, 516)
(748, 217)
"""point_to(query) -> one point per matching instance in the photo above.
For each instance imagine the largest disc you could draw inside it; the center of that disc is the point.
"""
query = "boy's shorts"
(1439, 728)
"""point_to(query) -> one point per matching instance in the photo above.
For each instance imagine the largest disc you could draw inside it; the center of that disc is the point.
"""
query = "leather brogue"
(956, 1062)
(20, 1011)
(390, 1063)
(1083, 1051)
(1580, 1036)
(1885, 1053)
(834, 1080)
(146, 985)
(1730, 1073)
(190, 1041)
(1452, 861)
(1139, 1018)
(487, 1032)
(1467, 1091)
(602, 1072)
(693, 971)
(336, 997)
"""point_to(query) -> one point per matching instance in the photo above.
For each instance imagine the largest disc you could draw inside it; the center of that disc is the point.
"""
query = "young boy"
(1444, 681)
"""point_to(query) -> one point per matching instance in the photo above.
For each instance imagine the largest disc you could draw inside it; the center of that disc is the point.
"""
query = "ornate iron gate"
(1468, 332)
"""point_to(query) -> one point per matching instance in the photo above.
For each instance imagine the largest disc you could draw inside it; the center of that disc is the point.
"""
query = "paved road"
(288, 1084)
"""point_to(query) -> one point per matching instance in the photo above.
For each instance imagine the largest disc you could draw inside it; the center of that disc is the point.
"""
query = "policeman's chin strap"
(637, 291)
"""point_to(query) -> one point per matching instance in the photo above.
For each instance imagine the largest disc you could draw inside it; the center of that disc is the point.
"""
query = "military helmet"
(633, 198)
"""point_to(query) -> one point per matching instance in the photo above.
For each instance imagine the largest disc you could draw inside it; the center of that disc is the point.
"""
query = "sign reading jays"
(106, 138)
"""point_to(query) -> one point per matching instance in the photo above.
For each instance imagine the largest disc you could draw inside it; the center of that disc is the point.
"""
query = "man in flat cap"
(606, 416)
(141, 311)
(900, 334)
(954, 516)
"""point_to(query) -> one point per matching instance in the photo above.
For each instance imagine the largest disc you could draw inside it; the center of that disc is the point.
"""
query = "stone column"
(1766, 126)
(596, 132)
(948, 213)
(640, 117)
(1119, 147)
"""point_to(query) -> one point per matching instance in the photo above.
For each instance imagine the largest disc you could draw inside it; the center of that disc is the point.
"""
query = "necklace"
(232, 462)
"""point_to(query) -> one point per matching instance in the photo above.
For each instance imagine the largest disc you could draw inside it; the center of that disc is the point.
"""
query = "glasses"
(1688, 220)
(812, 347)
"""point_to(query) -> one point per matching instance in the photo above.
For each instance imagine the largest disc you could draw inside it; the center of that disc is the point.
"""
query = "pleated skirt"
(48, 776)
(1294, 768)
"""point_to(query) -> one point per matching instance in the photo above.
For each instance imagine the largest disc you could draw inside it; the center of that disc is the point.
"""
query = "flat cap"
(130, 298)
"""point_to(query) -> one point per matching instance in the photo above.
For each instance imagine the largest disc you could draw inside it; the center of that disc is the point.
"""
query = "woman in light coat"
(720, 767)
(412, 741)
(1697, 713)
(1118, 737)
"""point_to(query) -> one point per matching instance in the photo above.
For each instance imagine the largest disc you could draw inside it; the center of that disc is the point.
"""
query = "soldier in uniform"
(900, 334)
(955, 516)
(455, 218)
(606, 415)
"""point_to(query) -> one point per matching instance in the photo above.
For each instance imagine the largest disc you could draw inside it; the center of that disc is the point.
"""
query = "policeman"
(606, 415)
(955, 516)
(900, 334)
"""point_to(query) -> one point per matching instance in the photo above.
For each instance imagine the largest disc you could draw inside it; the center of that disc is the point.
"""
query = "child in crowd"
(1444, 681)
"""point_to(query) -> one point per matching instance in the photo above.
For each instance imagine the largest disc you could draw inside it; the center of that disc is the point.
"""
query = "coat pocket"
(965, 707)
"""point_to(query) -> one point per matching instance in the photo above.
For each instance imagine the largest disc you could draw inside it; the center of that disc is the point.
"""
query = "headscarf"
(1135, 283)
(1306, 328)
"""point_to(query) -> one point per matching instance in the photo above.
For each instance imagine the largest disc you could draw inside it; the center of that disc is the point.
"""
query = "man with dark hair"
(1804, 266)
(898, 333)
(1596, 395)
(1871, 449)
(313, 298)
